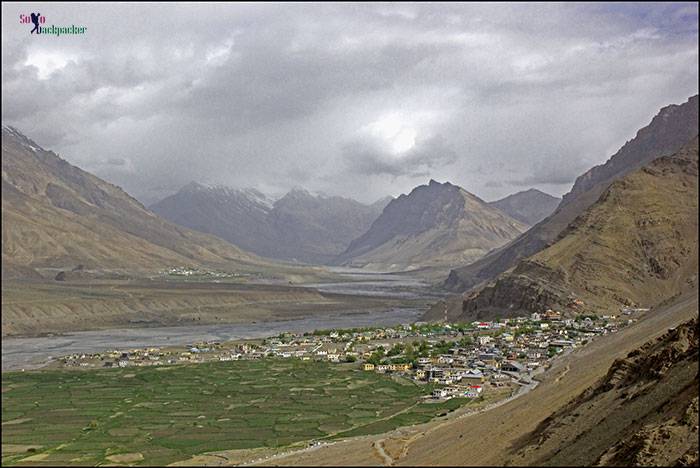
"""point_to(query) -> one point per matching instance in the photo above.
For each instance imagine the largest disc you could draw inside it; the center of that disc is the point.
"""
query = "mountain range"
(432, 226)
(668, 131)
(300, 226)
(58, 217)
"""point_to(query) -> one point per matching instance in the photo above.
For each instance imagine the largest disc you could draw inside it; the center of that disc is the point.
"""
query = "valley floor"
(31, 309)
(358, 418)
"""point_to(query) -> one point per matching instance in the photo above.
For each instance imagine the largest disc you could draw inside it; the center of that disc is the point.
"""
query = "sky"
(357, 100)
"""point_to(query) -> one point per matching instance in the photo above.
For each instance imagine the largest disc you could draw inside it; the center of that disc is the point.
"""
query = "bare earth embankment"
(644, 412)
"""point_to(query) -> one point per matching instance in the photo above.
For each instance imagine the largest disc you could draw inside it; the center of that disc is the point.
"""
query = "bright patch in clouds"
(394, 133)
(48, 62)
(219, 55)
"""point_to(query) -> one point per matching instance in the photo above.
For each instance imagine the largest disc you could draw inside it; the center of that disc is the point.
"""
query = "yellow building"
(399, 367)
(368, 366)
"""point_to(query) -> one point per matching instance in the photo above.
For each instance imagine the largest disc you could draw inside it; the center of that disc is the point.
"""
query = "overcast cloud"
(359, 100)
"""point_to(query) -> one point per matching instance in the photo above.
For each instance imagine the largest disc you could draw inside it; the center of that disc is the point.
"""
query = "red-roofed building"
(473, 391)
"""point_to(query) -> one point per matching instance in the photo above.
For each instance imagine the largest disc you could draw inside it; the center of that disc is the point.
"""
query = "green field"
(166, 414)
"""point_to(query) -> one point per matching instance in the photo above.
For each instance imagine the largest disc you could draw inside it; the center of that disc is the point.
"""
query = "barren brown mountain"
(433, 226)
(529, 206)
(668, 131)
(635, 247)
(57, 216)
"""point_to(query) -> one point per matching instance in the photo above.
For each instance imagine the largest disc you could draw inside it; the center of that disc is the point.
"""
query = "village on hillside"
(461, 360)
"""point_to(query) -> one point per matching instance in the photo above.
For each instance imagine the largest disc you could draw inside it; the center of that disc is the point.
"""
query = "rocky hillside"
(644, 412)
(636, 246)
(672, 127)
(434, 226)
(300, 226)
(529, 206)
(57, 216)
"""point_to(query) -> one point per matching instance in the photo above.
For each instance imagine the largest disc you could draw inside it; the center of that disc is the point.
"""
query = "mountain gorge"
(300, 226)
(668, 131)
(434, 226)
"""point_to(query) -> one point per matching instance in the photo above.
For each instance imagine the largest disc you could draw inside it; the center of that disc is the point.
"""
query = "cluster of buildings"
(186, 271)
(459, 359)
(500, 353)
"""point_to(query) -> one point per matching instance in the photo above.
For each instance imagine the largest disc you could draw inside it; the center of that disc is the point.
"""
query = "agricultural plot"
(160, 415)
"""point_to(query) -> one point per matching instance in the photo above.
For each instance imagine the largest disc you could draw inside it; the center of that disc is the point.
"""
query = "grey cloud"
(366, 158)
(554, 171)
(116, 161)
(275, 95)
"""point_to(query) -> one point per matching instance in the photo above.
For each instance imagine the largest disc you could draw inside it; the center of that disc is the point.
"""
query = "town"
(199, 273)
(460, 360)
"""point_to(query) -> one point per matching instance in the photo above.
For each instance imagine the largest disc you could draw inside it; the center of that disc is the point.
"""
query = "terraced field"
(160, 415)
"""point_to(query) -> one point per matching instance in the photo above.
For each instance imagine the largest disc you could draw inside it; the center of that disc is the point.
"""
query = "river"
(376, 284)
(34, 352)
